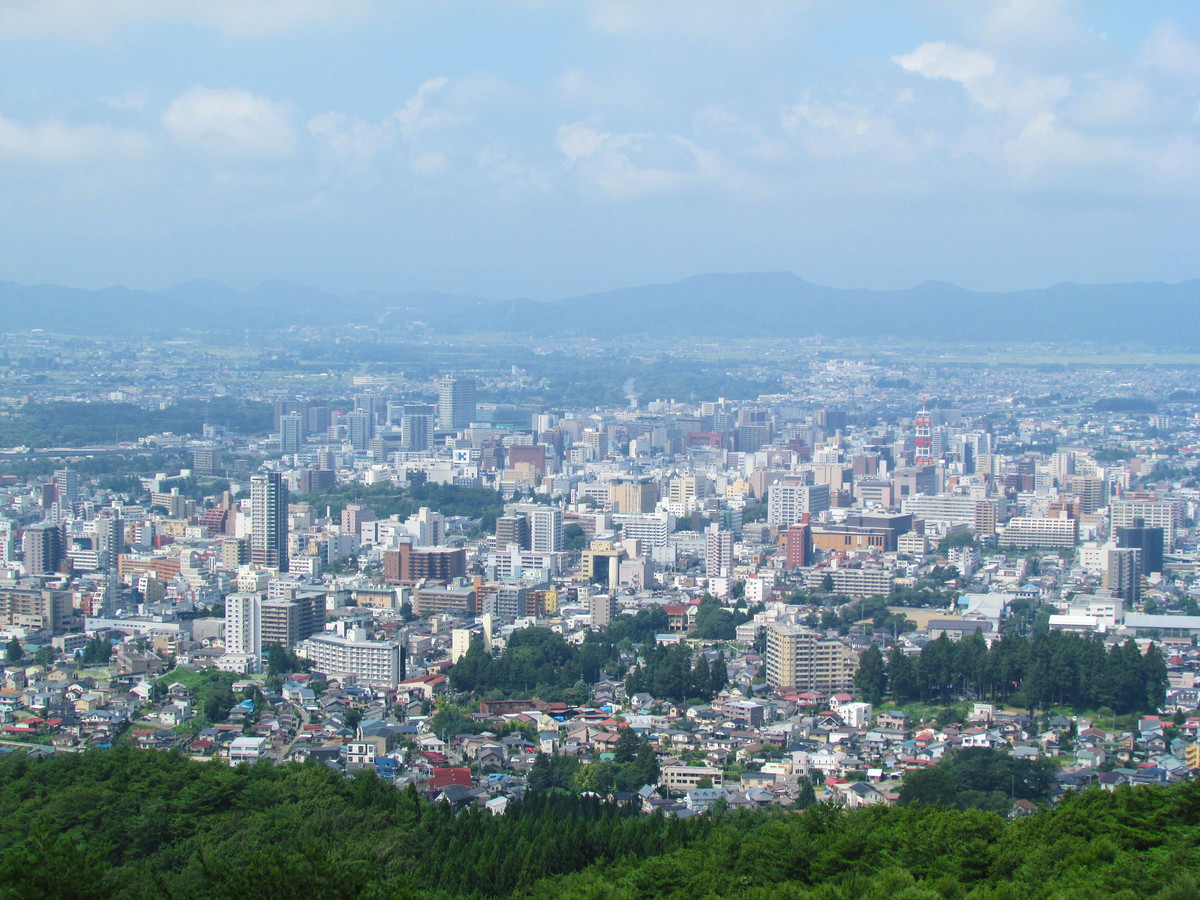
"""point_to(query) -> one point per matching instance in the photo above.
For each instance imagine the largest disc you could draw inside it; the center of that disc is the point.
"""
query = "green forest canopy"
(128, 823)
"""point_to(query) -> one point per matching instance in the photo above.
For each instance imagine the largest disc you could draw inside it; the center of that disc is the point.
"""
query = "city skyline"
(526, 149)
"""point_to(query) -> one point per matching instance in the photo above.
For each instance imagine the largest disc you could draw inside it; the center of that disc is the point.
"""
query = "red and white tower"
(924, 437)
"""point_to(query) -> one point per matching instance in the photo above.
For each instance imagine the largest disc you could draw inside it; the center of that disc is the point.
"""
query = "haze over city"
(545, 150)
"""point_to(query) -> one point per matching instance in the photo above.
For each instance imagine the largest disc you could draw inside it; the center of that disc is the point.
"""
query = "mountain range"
(738, 305)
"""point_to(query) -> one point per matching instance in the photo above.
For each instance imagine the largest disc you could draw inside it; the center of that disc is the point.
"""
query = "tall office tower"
(427, 527)
(415, 432)
(327, 459)
(788, 503)
(66, 485)
(718, 552)
(512, 531)
(1091, 491)
(545, 529)
(281, 409)
(243, 625)
(603, 609)
(6, 542)
(354, 516)
(831, 420)
(1124, 576)
(318, 417)
(361, 428)
(797, 542)
(1062, 466)
(633, 495)
(291, 432)
(43, 547)
(456, 403)
(1164, 514)
(1139, 536)
(368, 403)
(110, 535)
(923, 426)
(287, 621)
(268, 521)
(204, 460)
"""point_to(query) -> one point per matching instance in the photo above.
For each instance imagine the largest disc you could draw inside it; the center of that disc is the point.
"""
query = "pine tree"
(871, 676)
(718, 675)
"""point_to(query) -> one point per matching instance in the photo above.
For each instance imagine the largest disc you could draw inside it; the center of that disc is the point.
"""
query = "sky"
(547, 149)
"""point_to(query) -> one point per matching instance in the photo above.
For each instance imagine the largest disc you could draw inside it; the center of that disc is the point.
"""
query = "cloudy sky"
(549, 148)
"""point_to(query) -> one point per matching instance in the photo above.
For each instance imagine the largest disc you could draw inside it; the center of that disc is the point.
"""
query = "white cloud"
(938, 59)
(1021, 95)
(53, 141)
(418, 115)
(347, 138)
(230, 124)
(636, 165)
(837, 131)
(579, 141)
(129, 102)
(1169, 50)
(97, 20)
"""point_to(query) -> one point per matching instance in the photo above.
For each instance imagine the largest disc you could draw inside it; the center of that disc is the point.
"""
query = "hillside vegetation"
(131, 823)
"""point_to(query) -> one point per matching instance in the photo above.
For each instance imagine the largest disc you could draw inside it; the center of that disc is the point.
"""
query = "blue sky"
(545, 149)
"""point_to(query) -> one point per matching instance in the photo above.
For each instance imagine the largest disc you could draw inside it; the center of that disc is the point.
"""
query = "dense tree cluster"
(386, 500)
(536, 661)
(282, 661)
(97, 651)
(633, 765)
(668, 673)
(979, 778)
(716, 623)
(66, 424)
(129, 823)
(1051, 668)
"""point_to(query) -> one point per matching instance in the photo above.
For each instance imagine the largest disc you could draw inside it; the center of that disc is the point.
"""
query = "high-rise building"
(408, 563)
(633, 495)
(1164, 514)
(1124, 575)
(541, 533)
(718, 552)
(6, 542)
(205, 460)
(360, 428)
(243, 627)
(923, 427)
(44, 549)
(1091, 492)
(354, 516)
(269, 521)
(456, 403)
(803, 660)
(512, 531)
(603, 609)
(415, 431)
(787, 504)
(288, 621)
(545, 529)
(797, 541)
(1149, 540)
(291, 432)
(831, 420)
(66, 484)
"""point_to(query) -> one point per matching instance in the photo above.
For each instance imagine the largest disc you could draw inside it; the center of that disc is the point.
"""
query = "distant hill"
(756, 304)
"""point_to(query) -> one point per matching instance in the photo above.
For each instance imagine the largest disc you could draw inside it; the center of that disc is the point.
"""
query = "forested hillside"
(129, 823)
